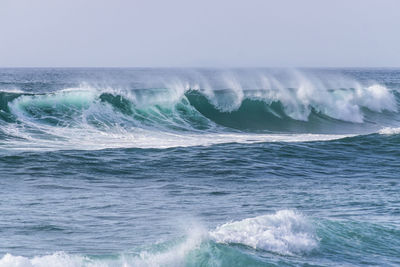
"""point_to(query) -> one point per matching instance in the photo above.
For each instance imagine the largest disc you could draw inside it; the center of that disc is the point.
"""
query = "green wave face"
(74, 108)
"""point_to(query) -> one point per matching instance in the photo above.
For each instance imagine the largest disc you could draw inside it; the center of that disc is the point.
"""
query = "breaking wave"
(280, 238)
(188, 114)
(285, 232)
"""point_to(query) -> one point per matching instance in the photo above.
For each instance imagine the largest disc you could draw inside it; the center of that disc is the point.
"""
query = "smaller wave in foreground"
(285, 232)
(286, 237)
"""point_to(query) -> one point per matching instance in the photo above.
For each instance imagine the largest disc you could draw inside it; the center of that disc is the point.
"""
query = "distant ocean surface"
(199, 167)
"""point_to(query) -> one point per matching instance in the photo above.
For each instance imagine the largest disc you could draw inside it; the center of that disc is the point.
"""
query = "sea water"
(199, 167)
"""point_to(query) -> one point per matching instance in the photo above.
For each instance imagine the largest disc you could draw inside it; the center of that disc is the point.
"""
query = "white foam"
(174, 256)
(53, 260)
(12, 90)
(90, 138)
(285, 232)
(389, 131)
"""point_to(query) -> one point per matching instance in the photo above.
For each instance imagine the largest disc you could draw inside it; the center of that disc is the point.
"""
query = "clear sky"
(201, 33)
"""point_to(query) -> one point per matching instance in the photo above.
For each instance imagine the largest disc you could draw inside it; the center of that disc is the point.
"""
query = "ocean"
(199, 167)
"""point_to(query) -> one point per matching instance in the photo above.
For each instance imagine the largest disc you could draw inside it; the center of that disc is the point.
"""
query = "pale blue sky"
(206, 33)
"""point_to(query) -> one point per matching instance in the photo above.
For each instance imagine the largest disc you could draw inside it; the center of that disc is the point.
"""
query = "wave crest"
(285, 232)
(389, 131)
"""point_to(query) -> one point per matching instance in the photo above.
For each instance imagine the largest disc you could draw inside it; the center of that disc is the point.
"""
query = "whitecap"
(389, 131)
(285, 232)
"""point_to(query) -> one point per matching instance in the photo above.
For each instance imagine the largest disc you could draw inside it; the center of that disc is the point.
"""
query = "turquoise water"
(171, 167)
